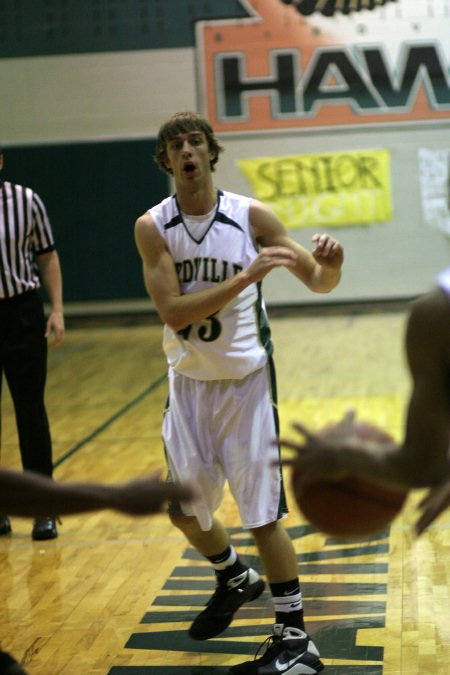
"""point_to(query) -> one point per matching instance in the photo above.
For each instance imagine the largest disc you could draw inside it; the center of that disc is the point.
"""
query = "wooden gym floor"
(114, 595)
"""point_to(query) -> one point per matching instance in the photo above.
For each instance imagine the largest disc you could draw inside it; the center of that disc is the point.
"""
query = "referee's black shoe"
(9, 666)
(5, 526)
(44, 528)
(224, 603)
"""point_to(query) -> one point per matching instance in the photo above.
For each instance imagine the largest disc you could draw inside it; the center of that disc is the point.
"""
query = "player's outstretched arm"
(31, 494)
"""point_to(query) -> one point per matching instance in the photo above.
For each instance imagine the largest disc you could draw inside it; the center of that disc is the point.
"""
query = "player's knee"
(186, 524)
(264, 530)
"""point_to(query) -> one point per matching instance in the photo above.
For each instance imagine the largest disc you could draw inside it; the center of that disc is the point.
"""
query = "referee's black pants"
(23, 360)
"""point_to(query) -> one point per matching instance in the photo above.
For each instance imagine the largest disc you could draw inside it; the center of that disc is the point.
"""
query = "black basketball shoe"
(5, 526)
(44, 528)
(224, 603)
(289, 651)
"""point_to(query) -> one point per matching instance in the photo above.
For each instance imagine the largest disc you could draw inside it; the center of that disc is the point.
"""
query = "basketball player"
(205, 252)
(422, 460)
(32, 494)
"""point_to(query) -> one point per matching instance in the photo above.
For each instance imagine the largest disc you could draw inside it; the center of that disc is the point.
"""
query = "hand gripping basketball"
(350, 507)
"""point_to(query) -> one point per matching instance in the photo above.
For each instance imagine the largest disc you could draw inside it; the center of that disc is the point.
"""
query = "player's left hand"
(328, 251)
(149, 495)
(432, 505)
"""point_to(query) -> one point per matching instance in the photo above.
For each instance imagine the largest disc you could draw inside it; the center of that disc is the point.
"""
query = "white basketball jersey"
(235, 341)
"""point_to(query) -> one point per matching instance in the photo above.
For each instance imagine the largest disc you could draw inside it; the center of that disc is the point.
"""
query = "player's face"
(188, 156)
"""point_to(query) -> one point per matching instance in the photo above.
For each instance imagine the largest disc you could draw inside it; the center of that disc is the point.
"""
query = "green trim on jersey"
(265, 335)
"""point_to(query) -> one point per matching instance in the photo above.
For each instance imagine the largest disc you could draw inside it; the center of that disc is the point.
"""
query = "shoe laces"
(268, 645)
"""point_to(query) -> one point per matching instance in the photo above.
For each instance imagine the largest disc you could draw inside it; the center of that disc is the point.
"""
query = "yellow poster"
(339, 189)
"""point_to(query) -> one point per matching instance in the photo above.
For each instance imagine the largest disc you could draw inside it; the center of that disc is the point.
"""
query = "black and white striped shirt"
(25, 232)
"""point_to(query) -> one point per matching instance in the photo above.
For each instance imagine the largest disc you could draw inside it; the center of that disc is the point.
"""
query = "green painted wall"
(93, 193)
(40, 27)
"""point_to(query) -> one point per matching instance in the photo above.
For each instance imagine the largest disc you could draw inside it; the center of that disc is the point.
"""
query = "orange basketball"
(351, 508)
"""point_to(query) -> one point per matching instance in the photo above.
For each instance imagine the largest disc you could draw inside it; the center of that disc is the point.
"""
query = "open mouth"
(189, 167)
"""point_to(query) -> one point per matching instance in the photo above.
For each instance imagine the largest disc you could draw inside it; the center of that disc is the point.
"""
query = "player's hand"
(328, 252)
(149, 495)
(268, 259)
(320, 455)
(432, 505)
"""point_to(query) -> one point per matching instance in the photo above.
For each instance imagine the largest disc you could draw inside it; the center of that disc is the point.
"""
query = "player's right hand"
(268, 259)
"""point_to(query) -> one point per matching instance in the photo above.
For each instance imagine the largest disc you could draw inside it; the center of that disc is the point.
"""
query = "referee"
(27, 257)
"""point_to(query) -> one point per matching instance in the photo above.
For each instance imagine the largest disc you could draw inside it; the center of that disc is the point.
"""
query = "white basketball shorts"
(221, 430)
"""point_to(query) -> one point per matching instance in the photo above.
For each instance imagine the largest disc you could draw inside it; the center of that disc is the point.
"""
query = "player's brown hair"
(183, 123)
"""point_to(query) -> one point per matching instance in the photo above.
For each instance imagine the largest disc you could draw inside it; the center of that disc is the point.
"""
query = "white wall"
(90, 96)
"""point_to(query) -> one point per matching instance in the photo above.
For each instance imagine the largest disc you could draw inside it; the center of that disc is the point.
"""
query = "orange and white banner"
(274, 70)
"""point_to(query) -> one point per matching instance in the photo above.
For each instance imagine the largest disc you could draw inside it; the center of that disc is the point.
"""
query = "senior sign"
(348, 188)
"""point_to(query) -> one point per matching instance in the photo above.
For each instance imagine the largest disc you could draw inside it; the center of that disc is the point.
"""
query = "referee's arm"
(50, 273)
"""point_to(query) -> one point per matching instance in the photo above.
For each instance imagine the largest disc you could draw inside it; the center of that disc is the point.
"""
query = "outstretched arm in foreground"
(31, 494)
(422, 460)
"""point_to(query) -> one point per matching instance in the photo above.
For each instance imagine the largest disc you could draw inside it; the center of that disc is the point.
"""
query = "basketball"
(353, 507)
